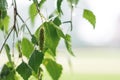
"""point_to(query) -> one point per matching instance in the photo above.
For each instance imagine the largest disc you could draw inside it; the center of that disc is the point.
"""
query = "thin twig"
(39, 12)
(17, 30)
(25, 24)
(15, 17)
(6, 39)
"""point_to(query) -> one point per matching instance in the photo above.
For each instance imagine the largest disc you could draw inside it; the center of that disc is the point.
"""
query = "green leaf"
(54, 69)
(24, 70)
(52, 34)
(57, 21)
(35, 60)
(59, 31)
(3, 9)
(34, 40)
(7, 73)
(6, 23)
(49, 54)
(26, 47)
(68, 44)
(51, 37)
(37, 33)
(41, 3)
(8, 52)
(59, 3)
(3, 14)
(90, 17)
(3, 5)
(32, 12)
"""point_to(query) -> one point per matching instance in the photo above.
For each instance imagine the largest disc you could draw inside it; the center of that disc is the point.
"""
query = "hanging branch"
(17, 14)
(13, 28)
(14, 25)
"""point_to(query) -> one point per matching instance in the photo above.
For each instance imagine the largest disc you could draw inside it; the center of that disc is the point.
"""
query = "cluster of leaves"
(44, 41)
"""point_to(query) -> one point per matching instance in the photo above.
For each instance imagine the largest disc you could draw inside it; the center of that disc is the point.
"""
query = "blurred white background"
(107, 14)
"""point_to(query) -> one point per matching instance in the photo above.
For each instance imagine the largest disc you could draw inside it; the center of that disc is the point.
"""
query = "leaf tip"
(88, 15)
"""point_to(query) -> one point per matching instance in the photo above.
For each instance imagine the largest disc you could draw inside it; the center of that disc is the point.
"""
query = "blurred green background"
(90, 63)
